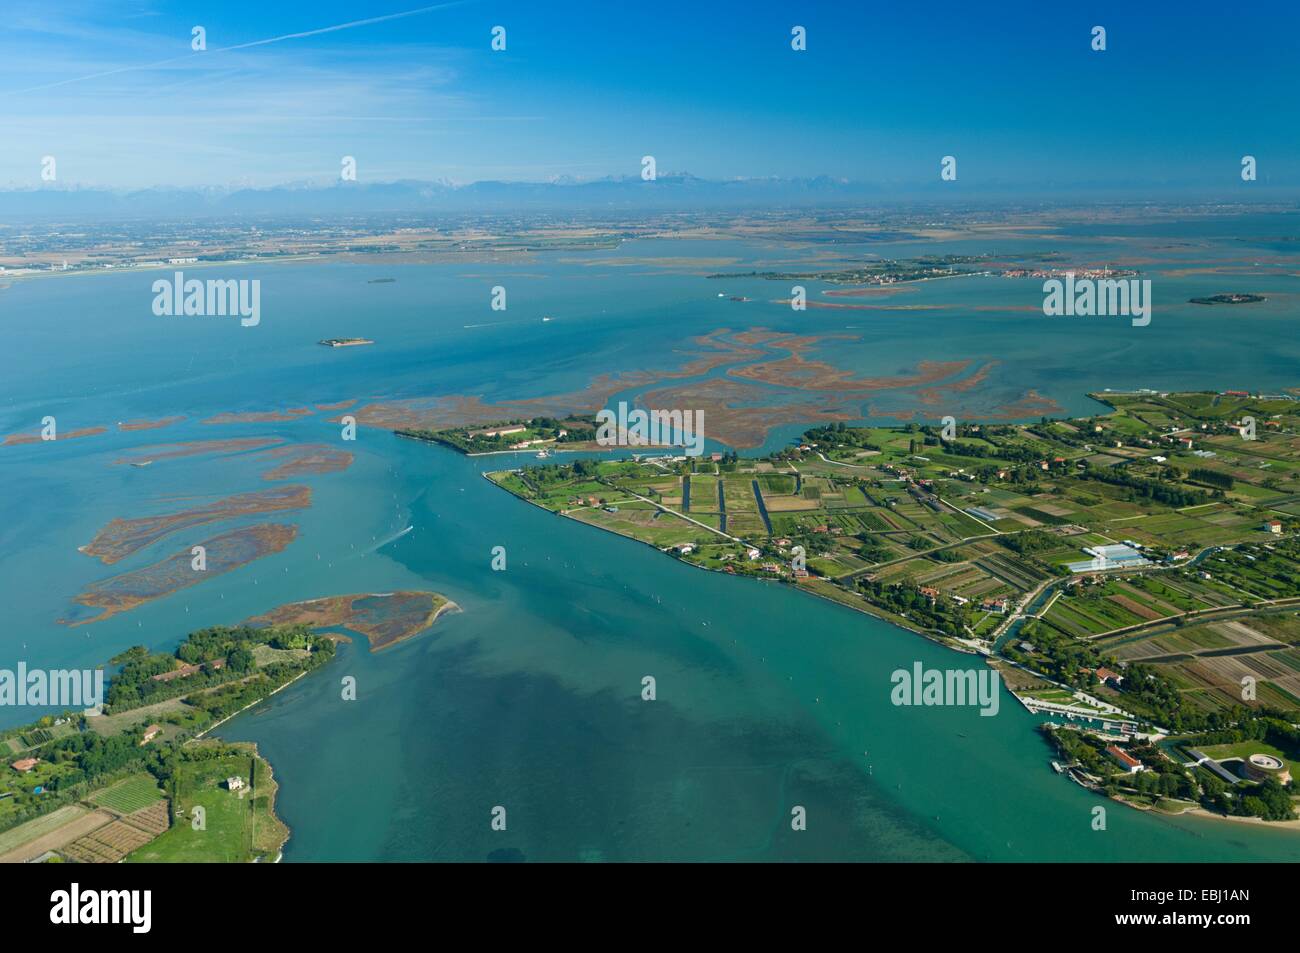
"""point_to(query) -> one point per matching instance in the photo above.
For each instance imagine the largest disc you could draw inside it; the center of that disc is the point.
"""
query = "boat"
(543, 454)
(141, 463)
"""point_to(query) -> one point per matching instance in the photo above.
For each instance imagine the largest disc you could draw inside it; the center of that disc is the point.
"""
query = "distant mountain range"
(669, 192)
(666, 192)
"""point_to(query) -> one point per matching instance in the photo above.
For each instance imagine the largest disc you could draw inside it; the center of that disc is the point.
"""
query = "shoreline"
(1194, 810)
(865, 609)
(273, 797)
(215, 726)
(447, 606)
(1200, 812)
(551, 449)
(342, 617)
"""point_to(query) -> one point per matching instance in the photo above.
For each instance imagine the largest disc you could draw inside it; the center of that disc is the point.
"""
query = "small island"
(1228, 299)
(346, 342)
(384, 618)
(542, 434)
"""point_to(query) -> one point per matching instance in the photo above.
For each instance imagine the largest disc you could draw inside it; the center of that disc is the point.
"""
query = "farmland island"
(1133, 576)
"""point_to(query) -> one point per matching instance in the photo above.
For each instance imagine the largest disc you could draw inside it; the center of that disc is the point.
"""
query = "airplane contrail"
(243, 46)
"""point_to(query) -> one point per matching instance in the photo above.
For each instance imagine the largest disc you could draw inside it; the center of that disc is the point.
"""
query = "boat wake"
(392, 539)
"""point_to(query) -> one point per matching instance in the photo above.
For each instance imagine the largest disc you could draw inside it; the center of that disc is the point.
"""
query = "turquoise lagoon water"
(530, 698)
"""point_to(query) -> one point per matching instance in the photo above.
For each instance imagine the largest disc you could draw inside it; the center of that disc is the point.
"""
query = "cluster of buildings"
(1090, 274)
(1113, 556)
(503, 431)
(1256, 767)
(185, 671)
(593, 501)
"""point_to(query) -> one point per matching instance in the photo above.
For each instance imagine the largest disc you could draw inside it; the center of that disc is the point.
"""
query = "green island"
(1238, 298)
(1134, 575)
(136, 780)
(102, 787)
(538, 433)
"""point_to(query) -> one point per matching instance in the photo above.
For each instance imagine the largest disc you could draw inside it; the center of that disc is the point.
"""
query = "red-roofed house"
(1125, 760)
(185, 671)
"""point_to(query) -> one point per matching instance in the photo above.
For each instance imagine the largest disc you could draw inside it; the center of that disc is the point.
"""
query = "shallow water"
(767, 699)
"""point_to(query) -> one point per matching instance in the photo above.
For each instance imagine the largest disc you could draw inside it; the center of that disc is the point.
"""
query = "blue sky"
(114, 93)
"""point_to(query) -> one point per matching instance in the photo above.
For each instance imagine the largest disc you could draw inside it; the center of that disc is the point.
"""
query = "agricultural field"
(884, 512)
(50, 832)
(158, 712)
(1109, 606)
(34, 737)
(1208, 661)
(236, 826)
(974, 572)
(103, 828)
(128, 795)
(1216, 682)
(755, 502)
(644, 522)
(743, 516)
(1257, 573)
(111, 843)
(1104, 604)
